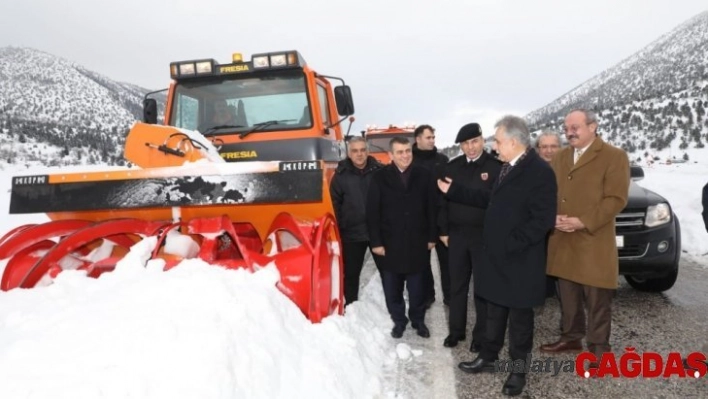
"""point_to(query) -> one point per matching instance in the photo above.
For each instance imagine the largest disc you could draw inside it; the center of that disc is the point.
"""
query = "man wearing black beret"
(460, 227)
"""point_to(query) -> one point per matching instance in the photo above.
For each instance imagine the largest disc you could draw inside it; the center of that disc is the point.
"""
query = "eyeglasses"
(574, 128)
(548, 147)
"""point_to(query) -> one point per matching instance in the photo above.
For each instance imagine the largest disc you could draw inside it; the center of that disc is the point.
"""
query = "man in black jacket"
(400, 215)
(510, 266)
(461, 228)
(348, 189)
(426, 154)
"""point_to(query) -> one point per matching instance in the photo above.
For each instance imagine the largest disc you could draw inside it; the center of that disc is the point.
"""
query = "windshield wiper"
(215, 128)
(263, 125)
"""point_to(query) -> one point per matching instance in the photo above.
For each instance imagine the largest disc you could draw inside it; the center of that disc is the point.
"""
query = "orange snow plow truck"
(240, 170)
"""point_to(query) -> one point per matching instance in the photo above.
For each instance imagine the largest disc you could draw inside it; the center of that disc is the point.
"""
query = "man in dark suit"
(427, 155)
(400, 215)
(510, 266)
(461, 229)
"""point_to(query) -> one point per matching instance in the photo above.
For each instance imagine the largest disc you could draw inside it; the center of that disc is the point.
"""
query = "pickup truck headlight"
(657, 215)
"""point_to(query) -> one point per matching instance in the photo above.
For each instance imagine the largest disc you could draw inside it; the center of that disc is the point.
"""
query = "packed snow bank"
(197, 331)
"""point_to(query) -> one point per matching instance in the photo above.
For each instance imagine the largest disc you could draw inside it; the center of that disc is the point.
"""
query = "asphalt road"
(673, 321)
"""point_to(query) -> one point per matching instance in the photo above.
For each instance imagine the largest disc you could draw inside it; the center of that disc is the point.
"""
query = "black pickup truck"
(648, 239)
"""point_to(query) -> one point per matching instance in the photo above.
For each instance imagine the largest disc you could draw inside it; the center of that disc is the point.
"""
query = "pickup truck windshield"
(243, 103)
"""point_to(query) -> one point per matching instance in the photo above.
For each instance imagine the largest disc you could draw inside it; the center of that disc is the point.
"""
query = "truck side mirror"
(636, 172)
(344, 100)
(150, 111)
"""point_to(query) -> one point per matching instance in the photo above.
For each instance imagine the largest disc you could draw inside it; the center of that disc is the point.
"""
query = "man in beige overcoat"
(593, 185)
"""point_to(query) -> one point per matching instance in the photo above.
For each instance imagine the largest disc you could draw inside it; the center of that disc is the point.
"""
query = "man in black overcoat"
(400, 214)
(427, 155)
(460, 228)
(510, 266)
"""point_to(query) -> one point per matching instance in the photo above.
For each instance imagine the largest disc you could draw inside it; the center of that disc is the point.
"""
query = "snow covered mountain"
(54, 112)
(653, 102)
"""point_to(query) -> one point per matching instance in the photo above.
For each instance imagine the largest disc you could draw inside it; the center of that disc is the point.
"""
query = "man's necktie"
(504, 170)
(578, 153)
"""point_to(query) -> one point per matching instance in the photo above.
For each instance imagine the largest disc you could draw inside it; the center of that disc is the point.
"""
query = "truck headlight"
(657, 215)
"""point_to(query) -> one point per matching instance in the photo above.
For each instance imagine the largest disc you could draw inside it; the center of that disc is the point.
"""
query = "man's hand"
(560, 218)
(380, 251)
(431, 245)
(444, 239)
(568, 224)
(444, 185)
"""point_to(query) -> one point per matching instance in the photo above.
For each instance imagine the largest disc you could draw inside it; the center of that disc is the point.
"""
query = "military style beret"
(469, 131)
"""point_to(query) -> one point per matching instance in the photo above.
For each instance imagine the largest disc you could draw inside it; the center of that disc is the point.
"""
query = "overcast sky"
(440, 62)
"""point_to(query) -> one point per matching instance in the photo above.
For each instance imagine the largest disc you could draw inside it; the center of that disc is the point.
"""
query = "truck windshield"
(380, 143)
(239, 103)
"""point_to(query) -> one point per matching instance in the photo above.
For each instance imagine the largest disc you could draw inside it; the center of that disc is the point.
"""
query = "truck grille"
(632, 251)
(630, 220)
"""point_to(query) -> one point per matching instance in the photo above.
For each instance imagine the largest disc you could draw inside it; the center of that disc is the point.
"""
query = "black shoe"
(478, 365)
(452, 340)
(422, 330)
(475, 347)
(429, 303)
(514, 385)
(398, 330)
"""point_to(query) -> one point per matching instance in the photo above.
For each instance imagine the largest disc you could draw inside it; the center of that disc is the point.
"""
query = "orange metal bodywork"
(155, 163)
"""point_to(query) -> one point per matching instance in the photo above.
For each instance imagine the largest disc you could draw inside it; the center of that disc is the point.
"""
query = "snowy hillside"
(654, 101)
(48, 101)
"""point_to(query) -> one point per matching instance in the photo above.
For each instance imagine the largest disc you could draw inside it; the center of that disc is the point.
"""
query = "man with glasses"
(547, 144)
(593, 185)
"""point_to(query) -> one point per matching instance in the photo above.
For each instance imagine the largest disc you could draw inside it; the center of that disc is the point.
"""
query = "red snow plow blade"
(99, 216)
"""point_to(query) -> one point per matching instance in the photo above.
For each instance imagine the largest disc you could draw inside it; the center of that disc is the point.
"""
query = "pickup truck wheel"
(653, 284)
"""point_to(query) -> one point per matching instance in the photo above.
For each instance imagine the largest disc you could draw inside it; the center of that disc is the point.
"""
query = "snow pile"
(197, 331)
(682, 185)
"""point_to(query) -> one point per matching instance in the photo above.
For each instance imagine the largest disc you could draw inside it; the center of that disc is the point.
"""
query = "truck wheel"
(653, 284)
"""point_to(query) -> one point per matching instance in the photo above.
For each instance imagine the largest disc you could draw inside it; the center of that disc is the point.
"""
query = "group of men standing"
(508, 222)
